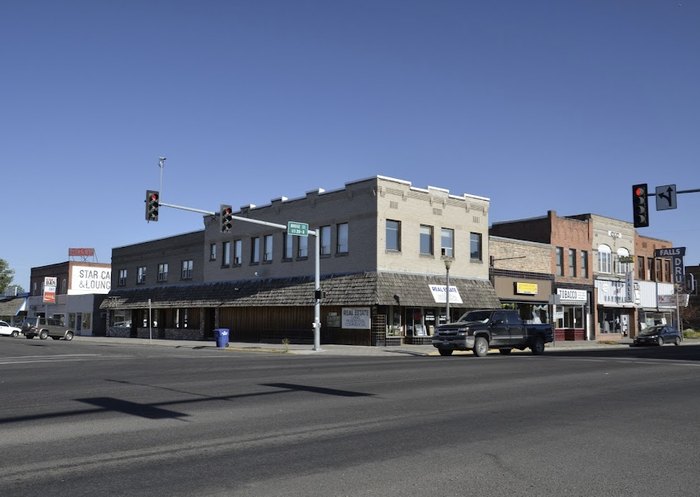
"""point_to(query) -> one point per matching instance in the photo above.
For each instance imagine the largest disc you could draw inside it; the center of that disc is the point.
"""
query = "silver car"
(46, 327)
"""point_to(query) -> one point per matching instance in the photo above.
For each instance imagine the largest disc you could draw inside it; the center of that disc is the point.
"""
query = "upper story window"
(475, 247)
(267, 248)
(447, 242)
(604, 259)
(186, 272)
(325, 240)
(237, 252)
(393, 235)
(288, 249)
(659, 270)
(667, 270)
(255, 250)
(426, 239)
(641, 268)
(163, 271)
(226, 249)
(584, 263)
(560, 261)
(212, 251)
(342, 246)
(572, 263)
(650, 265)
(303, 247)
(141, 275)
(622, 267)
(123, 275)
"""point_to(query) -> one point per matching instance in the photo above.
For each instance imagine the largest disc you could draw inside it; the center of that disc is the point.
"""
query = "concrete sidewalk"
(328, 349)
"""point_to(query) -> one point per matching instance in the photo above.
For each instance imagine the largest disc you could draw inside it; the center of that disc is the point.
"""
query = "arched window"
(604, 258)
(623, 267)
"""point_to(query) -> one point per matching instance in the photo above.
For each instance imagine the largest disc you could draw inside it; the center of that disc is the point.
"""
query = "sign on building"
(50, 283)
(87, 280)
(440, 295)
(676, 254)
(356, 318)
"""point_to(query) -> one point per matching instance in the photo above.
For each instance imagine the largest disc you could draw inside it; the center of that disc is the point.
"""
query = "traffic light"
(640, 205)
(226, 218)
(152, 204)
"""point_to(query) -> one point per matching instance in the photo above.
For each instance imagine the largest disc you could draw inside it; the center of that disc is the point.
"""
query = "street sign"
(297, 229)
(666, 197)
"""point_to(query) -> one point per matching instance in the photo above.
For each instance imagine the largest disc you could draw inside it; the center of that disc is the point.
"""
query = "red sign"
(81, 252)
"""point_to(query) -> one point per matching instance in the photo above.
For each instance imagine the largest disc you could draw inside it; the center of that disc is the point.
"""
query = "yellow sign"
(525, 288)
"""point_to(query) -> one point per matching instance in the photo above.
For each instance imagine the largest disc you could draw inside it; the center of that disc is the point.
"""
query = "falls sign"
(676, 254)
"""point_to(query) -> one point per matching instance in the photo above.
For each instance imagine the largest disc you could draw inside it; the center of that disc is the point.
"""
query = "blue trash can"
(221, 335)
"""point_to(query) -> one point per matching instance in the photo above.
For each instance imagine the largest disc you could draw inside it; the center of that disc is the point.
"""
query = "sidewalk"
(328, 349)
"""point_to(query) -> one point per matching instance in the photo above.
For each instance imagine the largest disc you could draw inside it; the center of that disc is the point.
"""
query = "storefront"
(530, 296)
(615, 308)
(572, 314)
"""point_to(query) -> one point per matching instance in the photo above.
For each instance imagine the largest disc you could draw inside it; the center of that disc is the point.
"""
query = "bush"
(690, 333)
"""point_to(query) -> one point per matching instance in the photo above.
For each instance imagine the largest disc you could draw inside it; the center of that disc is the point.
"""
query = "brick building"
(382, 243)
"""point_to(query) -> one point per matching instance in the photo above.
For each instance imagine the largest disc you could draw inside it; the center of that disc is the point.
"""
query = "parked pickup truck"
(500, 329)
(46, 327)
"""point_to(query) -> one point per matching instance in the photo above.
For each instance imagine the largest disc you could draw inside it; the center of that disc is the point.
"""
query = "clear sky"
(538, 105)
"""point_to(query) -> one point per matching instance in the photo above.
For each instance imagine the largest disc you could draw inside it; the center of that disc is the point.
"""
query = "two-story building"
(384, 251)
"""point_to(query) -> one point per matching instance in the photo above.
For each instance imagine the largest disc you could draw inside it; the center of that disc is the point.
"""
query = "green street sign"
(297, 229)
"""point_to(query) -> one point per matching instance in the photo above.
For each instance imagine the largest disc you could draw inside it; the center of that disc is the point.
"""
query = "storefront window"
(414, 322)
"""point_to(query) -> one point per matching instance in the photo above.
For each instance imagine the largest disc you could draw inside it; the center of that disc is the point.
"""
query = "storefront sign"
(50, 283)
(86, 280)
(81, 252)
(573, 295)
(525, 288)
(440, 296)
(356, 318)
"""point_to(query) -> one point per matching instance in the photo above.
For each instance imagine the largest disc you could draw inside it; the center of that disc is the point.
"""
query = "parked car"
(46, 327)
(659, 335)
(9, 330)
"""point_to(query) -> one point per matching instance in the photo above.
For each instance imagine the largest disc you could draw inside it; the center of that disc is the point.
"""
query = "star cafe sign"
(676, 254)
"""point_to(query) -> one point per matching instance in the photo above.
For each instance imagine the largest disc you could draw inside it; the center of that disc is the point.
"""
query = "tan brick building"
(383, 246)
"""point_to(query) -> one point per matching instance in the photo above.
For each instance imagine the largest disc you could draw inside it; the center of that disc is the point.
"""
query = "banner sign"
(50, 290)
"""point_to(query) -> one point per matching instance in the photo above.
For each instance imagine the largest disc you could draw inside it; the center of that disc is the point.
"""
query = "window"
(447, 236)
(622, 267)
(475, 247)
(667, 270)
(181, 318)
(163, 272)
(659, 270)
(255, 250)
(650, 270)
(560, 261)
(604, 259)
(186, 272)
(426, 239)
(141, 275)
(584, 263)
(641, 268)
(325, 240)
(122, 277)
(303, 247)
(212, 251)
(342, 239)
(267, 254)
(572, 263)
(237, 252)
(288, 248)
(393, 235)
(226, 249)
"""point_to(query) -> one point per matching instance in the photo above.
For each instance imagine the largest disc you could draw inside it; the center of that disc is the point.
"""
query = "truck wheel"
(43, 335)
(15, 334)
(445, 351)
(481, 347)
(505, 351)
(538, 346)
(68, 336)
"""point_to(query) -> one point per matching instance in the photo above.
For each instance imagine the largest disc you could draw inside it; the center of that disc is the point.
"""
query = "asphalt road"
(88, 419)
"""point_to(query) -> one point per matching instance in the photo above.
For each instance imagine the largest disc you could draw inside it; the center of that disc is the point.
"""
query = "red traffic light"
(152, 204)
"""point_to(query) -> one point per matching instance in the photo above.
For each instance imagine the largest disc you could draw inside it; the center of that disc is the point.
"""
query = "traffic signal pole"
(317, 269)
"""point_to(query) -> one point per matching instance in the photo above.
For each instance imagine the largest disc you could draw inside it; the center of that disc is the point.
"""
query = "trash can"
(221, 335)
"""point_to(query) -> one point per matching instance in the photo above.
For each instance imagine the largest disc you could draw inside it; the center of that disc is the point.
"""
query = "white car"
(10, 331)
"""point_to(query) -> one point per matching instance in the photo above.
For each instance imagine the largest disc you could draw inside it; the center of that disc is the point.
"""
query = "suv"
(45, 328)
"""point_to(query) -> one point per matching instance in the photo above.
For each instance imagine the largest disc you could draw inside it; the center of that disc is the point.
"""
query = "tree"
(6, 275)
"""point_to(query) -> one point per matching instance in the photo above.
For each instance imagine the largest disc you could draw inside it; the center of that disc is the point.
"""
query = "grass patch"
(689, 333)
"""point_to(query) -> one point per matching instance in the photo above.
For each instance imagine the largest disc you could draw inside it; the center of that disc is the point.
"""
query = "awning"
(360, 289)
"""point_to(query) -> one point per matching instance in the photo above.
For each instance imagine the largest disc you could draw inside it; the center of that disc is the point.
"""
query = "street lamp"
(448, 262)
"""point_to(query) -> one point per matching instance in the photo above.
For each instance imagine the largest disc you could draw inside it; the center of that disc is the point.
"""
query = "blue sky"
(537, 105)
